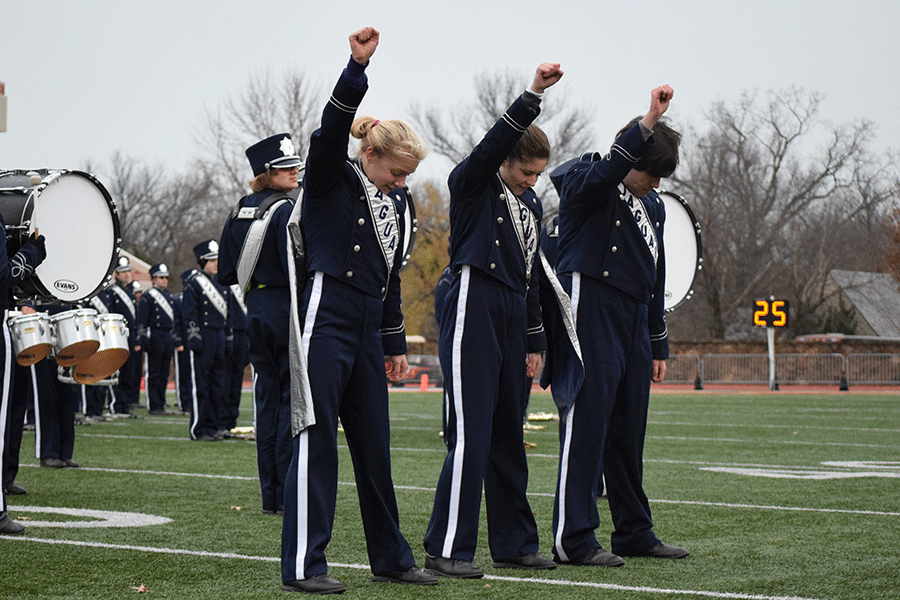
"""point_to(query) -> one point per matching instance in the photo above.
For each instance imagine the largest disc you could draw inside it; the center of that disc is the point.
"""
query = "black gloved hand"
(39, 243)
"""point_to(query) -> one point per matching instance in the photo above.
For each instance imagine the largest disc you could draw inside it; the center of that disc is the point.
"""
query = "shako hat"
(276, 152)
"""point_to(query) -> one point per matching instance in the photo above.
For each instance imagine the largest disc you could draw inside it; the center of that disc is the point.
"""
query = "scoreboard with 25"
(771, 312)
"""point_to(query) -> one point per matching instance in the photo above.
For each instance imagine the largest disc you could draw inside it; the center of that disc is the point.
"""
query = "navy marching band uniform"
(611, 263)
(156, 318)
(120, 299)
(483, 345)
(352, 318)
(268, 305)
(13, 271)
(204, 308)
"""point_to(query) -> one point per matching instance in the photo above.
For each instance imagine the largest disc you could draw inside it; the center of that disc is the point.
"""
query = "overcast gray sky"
(87, 78)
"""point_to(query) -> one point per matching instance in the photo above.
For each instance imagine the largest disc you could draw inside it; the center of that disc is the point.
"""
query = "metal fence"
(683, 368)
(873, 368)
(801, 369)
(790, 369)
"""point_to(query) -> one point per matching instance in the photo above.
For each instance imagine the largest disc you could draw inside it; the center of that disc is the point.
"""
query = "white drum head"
(681, 237)
(76, 219)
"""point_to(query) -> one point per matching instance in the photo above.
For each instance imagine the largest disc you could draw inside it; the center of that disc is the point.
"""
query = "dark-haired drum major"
(491, 337)
(351, 319)
(611, 263)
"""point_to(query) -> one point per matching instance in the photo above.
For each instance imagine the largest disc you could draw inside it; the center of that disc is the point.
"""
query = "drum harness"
(261, 216)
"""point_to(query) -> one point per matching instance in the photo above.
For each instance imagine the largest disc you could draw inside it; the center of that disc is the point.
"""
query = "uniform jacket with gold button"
(482, 233)
(600, 237)
(336, 219)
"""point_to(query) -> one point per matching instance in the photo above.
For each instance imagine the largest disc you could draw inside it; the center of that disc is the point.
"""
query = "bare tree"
(453, 133)
(264, 107)
(774, 209)
(161, 217)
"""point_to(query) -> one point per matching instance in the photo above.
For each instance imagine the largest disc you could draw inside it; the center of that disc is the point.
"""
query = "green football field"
(776, 495)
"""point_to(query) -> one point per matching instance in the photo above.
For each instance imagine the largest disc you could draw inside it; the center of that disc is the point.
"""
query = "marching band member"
(119, 298)
(204, 307)
(13, 271)
(611, 264)
(490, 342)
(156, 318)
(351, 318)
(256, 233)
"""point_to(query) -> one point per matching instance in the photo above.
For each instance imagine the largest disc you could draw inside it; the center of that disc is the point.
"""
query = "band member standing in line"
(13, 271)
(204, 307)
(119, 298)
(254, 246)
(611, 264)
(156, 318)
(350, 309)
(491, 339)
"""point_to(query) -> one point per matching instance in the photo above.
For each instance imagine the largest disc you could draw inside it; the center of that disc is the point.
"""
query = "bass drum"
(79, 220)
(683, 247)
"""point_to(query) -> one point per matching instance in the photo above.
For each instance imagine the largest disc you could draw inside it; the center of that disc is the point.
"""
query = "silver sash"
(164, 304)
(212, 293)
(125, 298)
(385, 219)
(639, 211)
(302, 410)
(525, 224)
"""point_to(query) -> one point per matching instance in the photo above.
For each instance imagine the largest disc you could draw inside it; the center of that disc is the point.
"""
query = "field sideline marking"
(558, 582)
(655, 437)
(536, 494)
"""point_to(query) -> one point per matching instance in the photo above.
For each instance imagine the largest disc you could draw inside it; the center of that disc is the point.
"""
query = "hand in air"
(363, 44)
(546, 75)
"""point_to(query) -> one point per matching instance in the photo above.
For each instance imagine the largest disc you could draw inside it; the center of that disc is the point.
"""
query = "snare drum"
(684, 250)
(75, 335)
(31, 337)
(111, 355)
(79, 220)
(64, 375)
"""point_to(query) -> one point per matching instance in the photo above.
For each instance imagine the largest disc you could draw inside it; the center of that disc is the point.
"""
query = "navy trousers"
(603, 432)
(482, 352)
(347, 375)
(54, 413)
(159, 352)
(128, 390)
(185, 385)
(209, 378)
(268, 316)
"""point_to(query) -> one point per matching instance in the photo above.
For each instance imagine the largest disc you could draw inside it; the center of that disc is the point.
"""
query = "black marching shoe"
(452, 567)
(661, 551)
(15, 490)
(598, 557)
(412, 576)
(53, 463)
(529, 561)
(317, 584)
(10, 527)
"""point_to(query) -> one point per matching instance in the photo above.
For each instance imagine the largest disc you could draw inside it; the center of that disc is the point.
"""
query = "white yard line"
(531, 580)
